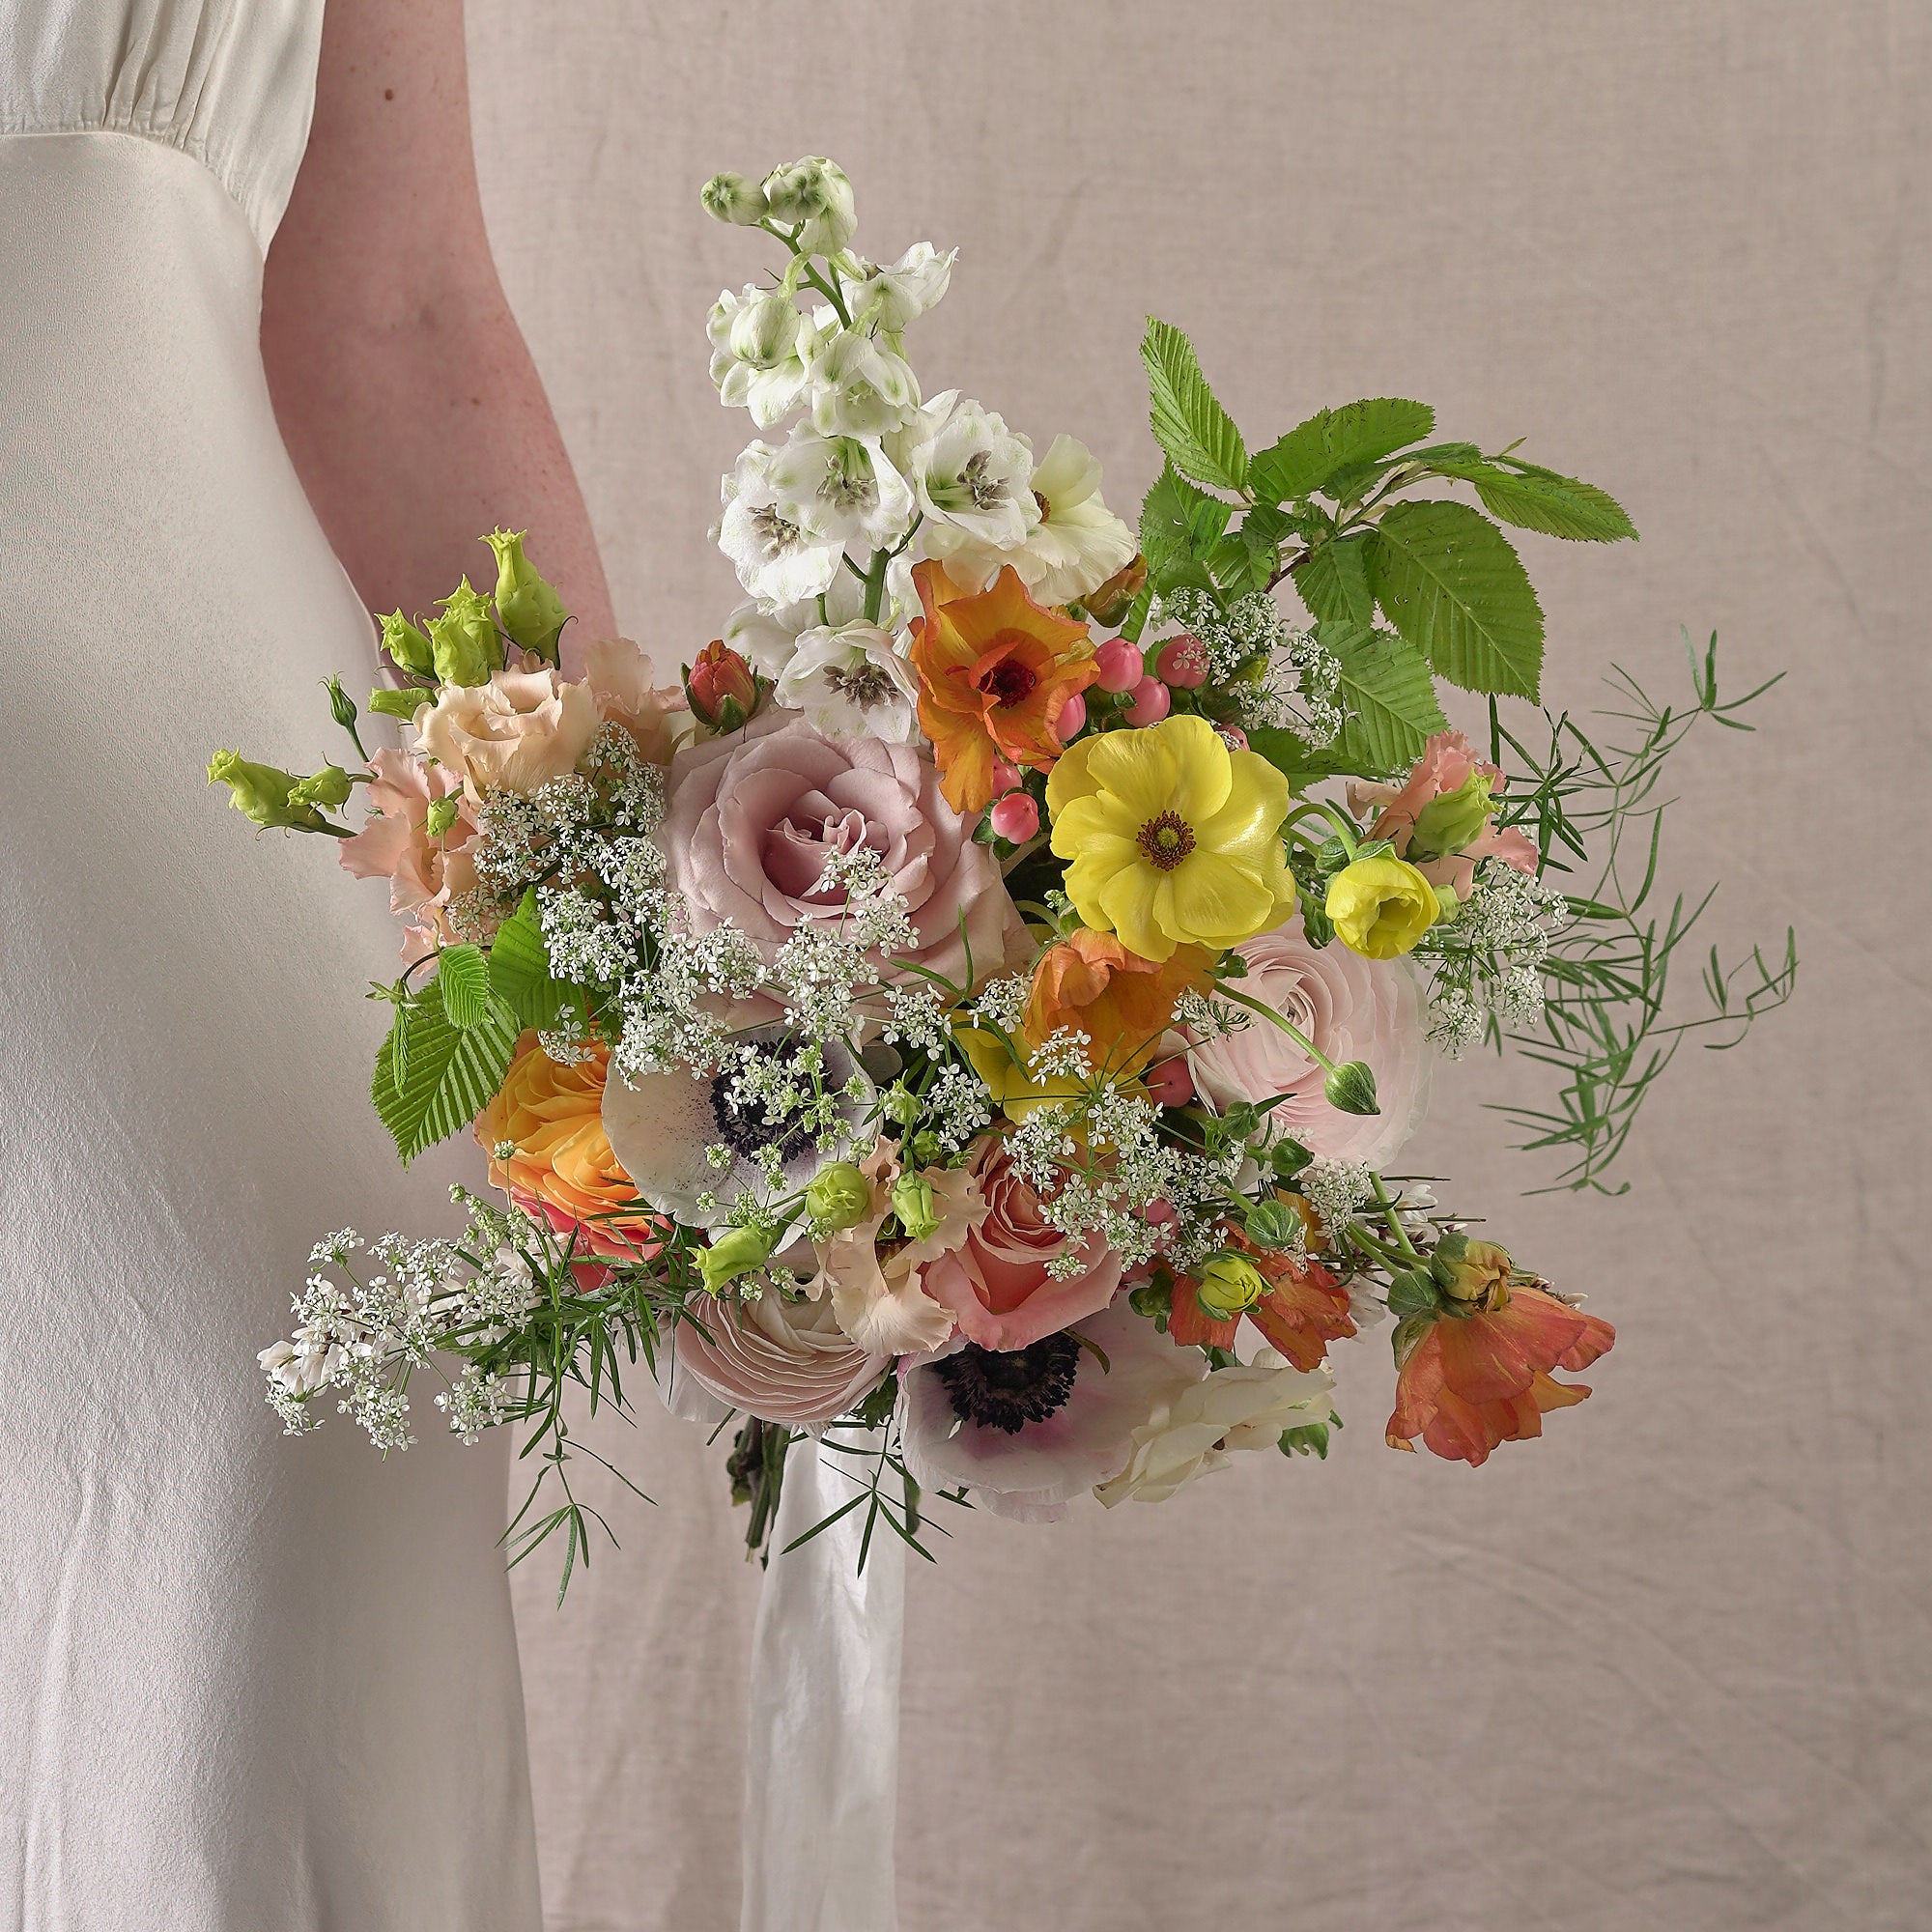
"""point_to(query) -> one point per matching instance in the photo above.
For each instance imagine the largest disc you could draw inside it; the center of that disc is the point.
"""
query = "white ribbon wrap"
(821, 1780)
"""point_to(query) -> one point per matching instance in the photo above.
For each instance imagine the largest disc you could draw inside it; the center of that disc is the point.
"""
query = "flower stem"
(1393, 1219)
(1295, 1033)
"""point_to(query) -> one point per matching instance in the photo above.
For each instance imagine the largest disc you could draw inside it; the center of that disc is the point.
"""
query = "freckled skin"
(407, 396)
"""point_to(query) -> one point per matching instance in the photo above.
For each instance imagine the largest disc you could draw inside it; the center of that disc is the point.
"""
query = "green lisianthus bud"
(341, 706)
(1229, 1285)
(1451, 821)
(467, 649)
(839, 1196)
(405, 703)
(729, 197)
(734, 1252)
(527, 606)
(329, 789)
(815, 194)
(1273, 1224)
(408, 645)
(1447, 905)
(913, 1204)
(1352, 1088)
(260, 793)
(443, 814)
(901, 1105)
(1289, 1158)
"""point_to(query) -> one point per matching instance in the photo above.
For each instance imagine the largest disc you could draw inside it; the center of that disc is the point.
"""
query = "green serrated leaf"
(1449, 581)
(519, 973)
(1534, 499)
(1333, 581)
(1388, 697)
(1179, 526)
(1197, 433)
(1300, 764)
(464, 976)
(449, 1073)
(1330, 440)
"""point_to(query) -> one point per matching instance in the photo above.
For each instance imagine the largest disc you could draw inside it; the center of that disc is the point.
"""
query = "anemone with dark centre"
(742, 1124)
(1005, 1389)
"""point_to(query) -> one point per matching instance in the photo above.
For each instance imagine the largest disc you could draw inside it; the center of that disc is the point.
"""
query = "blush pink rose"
(782, 1361)
(996, 1281)
(395, 843)
(1353, 1009)
(1448, 762)
(754, 814)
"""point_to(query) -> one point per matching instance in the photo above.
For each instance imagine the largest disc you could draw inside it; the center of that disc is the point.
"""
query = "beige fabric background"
(1669, 1667)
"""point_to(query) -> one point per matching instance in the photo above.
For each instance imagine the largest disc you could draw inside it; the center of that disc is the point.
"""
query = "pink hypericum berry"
(1121, 666)
(1170, 1085)
(1005, 778)
(1015, 817)
(1072, 717)
(1183, 661)
(1152, 702)
(1233, 736)
(1159, 1213)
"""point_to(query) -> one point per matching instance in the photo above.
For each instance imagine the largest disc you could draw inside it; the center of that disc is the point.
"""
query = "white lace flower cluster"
(1491, 960)
(1281, 677)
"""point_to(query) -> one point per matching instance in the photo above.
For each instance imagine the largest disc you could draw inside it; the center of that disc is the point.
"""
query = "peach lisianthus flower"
(544, 1133)
(621, 677)
(1479, 1380)
(1452, 781)
(514, 734)
(995, 671)
(395, 843)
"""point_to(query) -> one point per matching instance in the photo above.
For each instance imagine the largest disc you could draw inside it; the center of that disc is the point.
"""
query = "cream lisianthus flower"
(1174, 839)
(514, 734)
(1073, 549)
(1192, 1433)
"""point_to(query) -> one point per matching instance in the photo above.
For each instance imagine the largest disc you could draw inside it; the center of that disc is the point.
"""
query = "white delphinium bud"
(729, 197)
(759, 347)
(888, 299)
(859, 387)
(815, 195)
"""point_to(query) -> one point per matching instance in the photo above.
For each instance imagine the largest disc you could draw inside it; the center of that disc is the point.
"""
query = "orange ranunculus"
(560, 1168)
(1305, 1309)
(1475, 1380)
(995, 670)
(1122, 1003)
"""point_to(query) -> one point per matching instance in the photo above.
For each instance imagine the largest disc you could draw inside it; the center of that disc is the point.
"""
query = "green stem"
(1295, 1033)
(1393, 1219)
(875, 584)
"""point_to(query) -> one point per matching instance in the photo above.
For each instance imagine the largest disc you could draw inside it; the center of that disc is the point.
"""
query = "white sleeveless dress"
(246, 1684)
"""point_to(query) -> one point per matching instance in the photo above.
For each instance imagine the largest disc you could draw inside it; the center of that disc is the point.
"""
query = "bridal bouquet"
(975, 1004)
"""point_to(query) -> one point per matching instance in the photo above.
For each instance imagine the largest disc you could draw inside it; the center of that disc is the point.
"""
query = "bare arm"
(406, 394)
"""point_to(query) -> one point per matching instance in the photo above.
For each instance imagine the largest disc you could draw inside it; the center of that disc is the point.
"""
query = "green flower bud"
(408, 645)
(327, 788)
(443, 814)
(923, 1147)
(1153, 1298)
(815, 194)
(913, 1204)
(528, 608)
(467, 649)
(260, 793)
(734, 1252)
(341, 706)
(901, 1105)
(1412, 1291)
(1352, 1088)
(404, 703)
(1447, 904)
(1289, 1158)
(1273, 1224)
(1229, 1285)
(1449, 822)
(731, 198)
(839, 1195)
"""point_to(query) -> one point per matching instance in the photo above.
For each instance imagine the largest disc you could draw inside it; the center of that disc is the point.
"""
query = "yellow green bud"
(1380, 907)
(528, 608)
(1455, 819)
(405, 703)
(734, 1252)
(1229, 1285)
(341, 706)
(467, 649)
(327, 788)
(913, 1204)
(408, 645)
(729, 197)
(260, 793)
(1472, 1271)
(443, 814)
(1350, 1088)
(839, 1196)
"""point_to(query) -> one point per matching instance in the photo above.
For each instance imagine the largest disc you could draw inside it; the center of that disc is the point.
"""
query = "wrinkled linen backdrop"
(1669, 1667)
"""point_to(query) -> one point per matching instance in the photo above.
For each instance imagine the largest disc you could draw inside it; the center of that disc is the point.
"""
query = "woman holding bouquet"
(240, 1688)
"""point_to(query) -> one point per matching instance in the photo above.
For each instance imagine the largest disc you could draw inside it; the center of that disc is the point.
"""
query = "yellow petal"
(1138, 768)
(1133, 900)
(1069, 779)
(1217, 902)
(1203, 771)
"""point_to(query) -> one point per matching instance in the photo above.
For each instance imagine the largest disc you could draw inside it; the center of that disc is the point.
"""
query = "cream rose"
(515, 733)
(779, 1360)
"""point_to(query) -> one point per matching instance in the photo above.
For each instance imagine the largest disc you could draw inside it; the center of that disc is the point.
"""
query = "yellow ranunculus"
(1013, 1092)
(1380, 907)
(1173, 839)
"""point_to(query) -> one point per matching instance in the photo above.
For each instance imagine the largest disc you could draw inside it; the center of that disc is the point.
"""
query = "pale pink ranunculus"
(395, 843)
(1352, 1008)
(1448, 762)
(1031, 1474)
(779, 1360)
(754, 814)
(515, 733)
(620, 677)
(996, 1281)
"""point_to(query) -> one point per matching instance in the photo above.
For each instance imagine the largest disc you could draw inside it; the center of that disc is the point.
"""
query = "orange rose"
(1122, 1003)
(559, 1167)
(995, 671)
